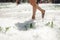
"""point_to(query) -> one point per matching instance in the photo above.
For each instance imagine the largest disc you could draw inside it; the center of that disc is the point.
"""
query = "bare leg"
(34, 12)
(35, 6)
(42, 11)
(17, 2)
(39, 8)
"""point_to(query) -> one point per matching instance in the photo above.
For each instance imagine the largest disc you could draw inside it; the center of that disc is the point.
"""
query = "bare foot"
(33, 17)
(43, 13)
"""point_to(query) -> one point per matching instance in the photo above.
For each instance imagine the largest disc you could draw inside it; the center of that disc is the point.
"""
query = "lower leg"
(42, 11)
(34, 12)
(33, 3)
(17, 1)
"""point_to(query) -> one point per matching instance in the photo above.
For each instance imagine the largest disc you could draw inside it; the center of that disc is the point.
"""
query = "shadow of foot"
(26, 25)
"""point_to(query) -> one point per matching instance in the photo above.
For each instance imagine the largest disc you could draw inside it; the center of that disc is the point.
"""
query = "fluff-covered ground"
(17, 17)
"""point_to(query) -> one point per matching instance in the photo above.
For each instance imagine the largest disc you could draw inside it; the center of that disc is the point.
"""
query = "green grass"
(0, 28)
(51, 24)
(29, 26)
(6, 29)
(47, 24)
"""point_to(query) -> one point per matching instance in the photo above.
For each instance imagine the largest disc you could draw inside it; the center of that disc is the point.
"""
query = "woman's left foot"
(33, 17)
(43, 13)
